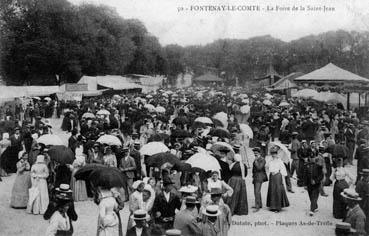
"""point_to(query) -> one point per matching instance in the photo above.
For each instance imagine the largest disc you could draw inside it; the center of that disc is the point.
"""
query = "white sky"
(162, 19)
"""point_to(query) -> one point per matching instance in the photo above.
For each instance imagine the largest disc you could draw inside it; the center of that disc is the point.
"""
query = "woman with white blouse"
(277, 197)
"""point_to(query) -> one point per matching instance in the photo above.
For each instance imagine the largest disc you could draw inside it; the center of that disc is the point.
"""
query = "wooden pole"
(348, 101)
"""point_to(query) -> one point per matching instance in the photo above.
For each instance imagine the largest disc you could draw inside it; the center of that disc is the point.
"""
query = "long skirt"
(339, 205)
(79, 190)
(38, 202)
(238, 201)
(22, 183)
(277, 197)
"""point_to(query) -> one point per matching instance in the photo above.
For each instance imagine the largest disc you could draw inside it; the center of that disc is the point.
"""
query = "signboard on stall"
(76, 87)
(74, 96)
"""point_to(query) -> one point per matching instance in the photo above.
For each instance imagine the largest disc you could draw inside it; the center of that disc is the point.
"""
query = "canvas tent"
(11, 92)
(331, 74)
(108, 82)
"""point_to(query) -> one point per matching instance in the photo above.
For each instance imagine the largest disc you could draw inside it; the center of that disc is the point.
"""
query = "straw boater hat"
(140, 215)
(211, 210)
(64, 192)
(350, 194)
(216, 191)
(173, 232)
(188, 189)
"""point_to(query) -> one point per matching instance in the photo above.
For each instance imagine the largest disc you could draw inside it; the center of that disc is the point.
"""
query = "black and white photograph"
(184, 117)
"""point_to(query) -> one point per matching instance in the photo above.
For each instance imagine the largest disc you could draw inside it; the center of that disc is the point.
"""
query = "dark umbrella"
(197, 125)
(155, 138)
(160, 159)
(107, 178)
(221, 133)
(182, 166)
(84, 172)
(180, 120)
(61, 154)
(338, 150)
(180, 133)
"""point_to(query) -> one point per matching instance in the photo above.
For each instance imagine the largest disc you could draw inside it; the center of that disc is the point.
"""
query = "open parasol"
(88, 115)
(103, 112)
(109, 140)
(50, 139)
(338, 151)
(61, 154)
(204, 161)
(267, 102)
(153, 148)
(160, 109)
(204, 120)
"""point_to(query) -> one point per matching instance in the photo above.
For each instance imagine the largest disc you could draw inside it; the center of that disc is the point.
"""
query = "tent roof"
(208, 78)
(331, 73)
(115, 82)
(291, 77)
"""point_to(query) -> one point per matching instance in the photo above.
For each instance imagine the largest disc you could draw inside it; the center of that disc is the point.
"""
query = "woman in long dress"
(4, 144)
(22, 183)
(108, 222)
(238, 201)
(339, 203)
(39, 196)
(78, 186)
(277, 197)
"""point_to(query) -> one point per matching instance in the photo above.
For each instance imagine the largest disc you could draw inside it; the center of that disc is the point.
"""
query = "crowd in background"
(269, 137)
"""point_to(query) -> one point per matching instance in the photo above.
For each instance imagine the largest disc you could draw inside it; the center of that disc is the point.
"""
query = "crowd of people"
(164, 144)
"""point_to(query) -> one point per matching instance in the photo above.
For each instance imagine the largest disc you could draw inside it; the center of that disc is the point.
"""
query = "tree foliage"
(43, 38)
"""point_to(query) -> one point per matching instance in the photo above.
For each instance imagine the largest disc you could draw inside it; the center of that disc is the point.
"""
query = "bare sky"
(193, 26)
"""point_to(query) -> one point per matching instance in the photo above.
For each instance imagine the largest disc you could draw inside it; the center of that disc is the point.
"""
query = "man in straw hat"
(140, 229)
(259, 176)
(355, 215)
(185, 220)
(210, 226)
(362, 188)
(128, 168)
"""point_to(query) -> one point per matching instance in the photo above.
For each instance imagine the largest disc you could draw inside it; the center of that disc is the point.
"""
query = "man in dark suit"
(128, 167)
(72, 141)
(135, 153)
(165, 205)
(259, 177)
(313, 176)
(355, 215)
(141, 228)
(185, 220)
(350, 142)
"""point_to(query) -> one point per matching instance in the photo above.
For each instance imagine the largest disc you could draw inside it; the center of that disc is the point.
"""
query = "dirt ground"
(293, 220)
